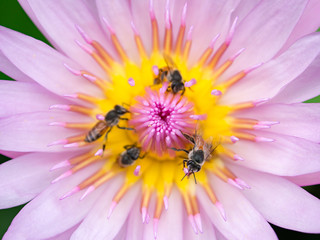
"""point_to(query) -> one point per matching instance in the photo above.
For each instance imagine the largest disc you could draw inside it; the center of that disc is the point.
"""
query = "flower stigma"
(155, 112)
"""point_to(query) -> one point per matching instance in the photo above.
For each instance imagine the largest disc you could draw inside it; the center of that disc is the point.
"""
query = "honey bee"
(197, 156)
(172, 75)
(112, 119)
(130, 155)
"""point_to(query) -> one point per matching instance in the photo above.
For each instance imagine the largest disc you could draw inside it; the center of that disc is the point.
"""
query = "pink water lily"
(242, 70)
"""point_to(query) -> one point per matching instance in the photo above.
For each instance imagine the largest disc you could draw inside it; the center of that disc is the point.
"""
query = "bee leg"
(126, 119)
(125, 128)
(126, 147)
(180, 150)
(194, 176)
(184, 162)
(183, 91)
(105, 140)
(141, 157)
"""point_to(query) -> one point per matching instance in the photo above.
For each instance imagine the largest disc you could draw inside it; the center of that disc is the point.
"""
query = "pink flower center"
(159, 118)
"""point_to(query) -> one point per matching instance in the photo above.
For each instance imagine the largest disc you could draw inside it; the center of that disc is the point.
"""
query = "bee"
(197, 156)
(111, 119)
(172, 75)
(130, 155)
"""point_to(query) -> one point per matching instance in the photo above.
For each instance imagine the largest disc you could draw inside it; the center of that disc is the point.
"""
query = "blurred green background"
(13, 16)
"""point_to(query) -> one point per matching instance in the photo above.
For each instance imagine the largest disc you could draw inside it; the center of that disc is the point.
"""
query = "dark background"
(12, 16)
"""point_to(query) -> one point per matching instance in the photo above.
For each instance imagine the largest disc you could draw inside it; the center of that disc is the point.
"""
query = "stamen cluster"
(159, 117)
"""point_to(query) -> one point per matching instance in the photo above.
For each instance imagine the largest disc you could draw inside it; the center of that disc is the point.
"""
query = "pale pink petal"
(298, 120)
(20, 97)
(243, 221)
(48, 210)
(65, 235)
(111, 10)
(25, 132)
(281, 202)
(268, 80)
(11, 70)
(142, 22)
(23, 178)
(309, 22)
(43, 64)
(262, 43)
(304, 87)
(65, 15)
(96, 224)
(208, 230)
(171, 222)
(26, 7)
(219, 236)
(286, 156)
(306, 179)
(11, 154)
(135, 226)
(244, 8)
(212, 18)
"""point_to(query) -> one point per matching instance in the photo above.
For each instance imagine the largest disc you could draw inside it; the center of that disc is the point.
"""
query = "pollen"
(165, 103)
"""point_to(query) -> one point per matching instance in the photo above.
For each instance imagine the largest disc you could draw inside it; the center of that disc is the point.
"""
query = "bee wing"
(101, 127)
(210, 147)
(199, 142)
(170, 63)
(188, 137)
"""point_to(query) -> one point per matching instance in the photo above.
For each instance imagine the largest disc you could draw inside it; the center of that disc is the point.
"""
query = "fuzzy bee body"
(172, 75)
(97, 131)
(101, 128)
(129, 156)
(197, 156)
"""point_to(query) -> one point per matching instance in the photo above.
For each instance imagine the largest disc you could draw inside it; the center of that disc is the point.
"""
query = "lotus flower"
(161, 119)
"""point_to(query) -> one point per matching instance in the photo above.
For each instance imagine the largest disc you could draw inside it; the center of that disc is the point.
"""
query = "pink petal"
(308, 23)
(209, 232)
(287, 155)
(261, 34)
(304, 87)
(171, 221)
(11, 70)
(25, 132)
(111, 10)
(134, 230)
(211, 17)
(305, 179)
(11, 154)
(298, 120)
(244, 8)
(65, 15)
(26, 7)
(142, 22)
(47, 216)
(20, 97)
(96, 224)
(65, 235)
(43, 64)
(23, 178)
(243, 221)
(282, 202)
(268, 80)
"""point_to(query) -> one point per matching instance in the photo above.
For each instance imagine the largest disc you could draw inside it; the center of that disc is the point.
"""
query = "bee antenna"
(185, 176)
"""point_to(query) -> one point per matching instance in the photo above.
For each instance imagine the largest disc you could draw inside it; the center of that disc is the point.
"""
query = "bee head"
(120, 110)
(177, 86)
(193, 167)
